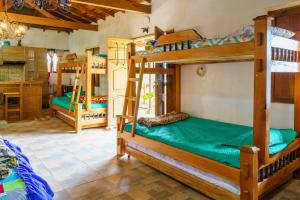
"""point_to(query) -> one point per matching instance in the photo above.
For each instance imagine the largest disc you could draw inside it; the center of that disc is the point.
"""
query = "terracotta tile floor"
(84, 166)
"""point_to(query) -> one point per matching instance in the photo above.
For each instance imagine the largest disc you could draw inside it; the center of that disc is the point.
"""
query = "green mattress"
(64, 102)
(215, 140)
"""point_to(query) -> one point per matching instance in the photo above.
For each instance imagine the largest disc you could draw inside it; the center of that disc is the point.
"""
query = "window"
(52, 61)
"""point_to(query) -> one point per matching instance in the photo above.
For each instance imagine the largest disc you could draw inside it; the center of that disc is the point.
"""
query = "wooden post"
(262, 86)
(88, 88)
(21, 101)
(78, 115)
(297, 112)
(177, 92)
(59, 82)
(132, 89)
(120, 140)
(249, 173)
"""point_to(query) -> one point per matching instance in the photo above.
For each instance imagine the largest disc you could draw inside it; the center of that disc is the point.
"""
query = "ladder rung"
(77, 77)
(75, 90)
(127, 117)
(133, 79)
(131, 98)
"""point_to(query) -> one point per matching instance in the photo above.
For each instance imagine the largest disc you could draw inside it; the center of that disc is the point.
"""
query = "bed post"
(59, 82)
(249, 173)
(88, 89)
(262, 86)
(297, 112)
(120, 140)
(177, 76)
(78, 115)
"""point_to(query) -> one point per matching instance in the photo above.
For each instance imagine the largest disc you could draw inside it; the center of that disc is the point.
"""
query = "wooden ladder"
(76, 90)
(136, 99)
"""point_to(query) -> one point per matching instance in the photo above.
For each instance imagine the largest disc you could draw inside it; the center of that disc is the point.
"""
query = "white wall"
(226, 92)
(45, 39)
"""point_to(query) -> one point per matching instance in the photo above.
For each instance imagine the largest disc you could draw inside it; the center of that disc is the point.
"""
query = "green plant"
(148, 96)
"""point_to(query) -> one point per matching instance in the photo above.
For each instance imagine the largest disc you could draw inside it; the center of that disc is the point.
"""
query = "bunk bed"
(251, 168)
(77, 108)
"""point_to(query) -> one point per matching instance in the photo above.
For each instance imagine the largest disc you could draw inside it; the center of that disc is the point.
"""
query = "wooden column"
(262, 86)
(132, 89)
(88, 80)
(177, 92)
(249, 173)
(59, 82)
(297, 112)
(78, 115)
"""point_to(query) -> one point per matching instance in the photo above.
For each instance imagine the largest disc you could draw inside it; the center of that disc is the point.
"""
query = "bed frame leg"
(249, 173)
(51, 112)
(78, 114)
(120, 141)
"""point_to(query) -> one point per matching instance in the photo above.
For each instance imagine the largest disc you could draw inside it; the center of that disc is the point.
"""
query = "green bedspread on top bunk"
(64, 102)
(215, 140)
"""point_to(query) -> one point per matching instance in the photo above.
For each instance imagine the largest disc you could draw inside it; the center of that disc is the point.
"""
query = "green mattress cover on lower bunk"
(64, 102)
(215, 140)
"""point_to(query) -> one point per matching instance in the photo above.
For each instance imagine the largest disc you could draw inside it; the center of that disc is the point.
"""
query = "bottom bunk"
(18, 180)
(79, 117)
(211, 156)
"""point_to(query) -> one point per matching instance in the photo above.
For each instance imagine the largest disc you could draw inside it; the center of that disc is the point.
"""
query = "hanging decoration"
(45, 4)
(11, 30)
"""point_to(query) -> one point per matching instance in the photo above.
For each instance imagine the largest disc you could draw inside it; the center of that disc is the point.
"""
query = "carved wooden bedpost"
(262, 86)
(249, 173)
(297, 112)
(78, 115)
(177, 92)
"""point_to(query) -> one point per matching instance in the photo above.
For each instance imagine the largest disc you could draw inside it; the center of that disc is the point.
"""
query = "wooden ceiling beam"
(42, 11)
(117, 4)
(27, 19)
(88, 11)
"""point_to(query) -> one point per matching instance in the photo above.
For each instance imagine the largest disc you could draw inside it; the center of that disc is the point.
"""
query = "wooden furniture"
(117, 73)
(30, 94)
(15, 108)
(31, 62)
(82, 117)
(259, 172)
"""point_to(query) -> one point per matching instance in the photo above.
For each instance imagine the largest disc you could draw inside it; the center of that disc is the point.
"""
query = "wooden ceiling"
(83, 14)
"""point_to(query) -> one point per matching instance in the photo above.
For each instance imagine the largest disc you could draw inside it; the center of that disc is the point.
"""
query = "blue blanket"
(36, 187)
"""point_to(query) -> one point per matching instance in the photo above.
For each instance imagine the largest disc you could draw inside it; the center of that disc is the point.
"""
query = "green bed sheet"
(215, 140)
(64, 102)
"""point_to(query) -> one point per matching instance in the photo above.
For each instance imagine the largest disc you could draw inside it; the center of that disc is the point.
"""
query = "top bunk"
(96, 64)
(243, 45)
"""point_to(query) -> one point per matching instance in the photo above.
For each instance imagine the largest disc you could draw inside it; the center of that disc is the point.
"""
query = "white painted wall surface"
(45, 39)
(226, 92)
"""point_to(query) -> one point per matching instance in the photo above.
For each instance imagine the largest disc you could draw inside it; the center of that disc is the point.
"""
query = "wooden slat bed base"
(65, 119)
(184, 177)
(277, 179)
(205, 164)
(55, 107)
(72, 64)
(239, 52)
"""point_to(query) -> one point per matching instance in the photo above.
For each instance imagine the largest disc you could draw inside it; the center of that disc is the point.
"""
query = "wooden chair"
(19, 107)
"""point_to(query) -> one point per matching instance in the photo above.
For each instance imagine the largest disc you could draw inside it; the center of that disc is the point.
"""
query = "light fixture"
(45, 4)
(11, 30)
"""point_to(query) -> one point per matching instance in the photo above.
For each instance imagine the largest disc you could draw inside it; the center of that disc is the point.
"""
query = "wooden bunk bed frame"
(259, 172)
(88, 117)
